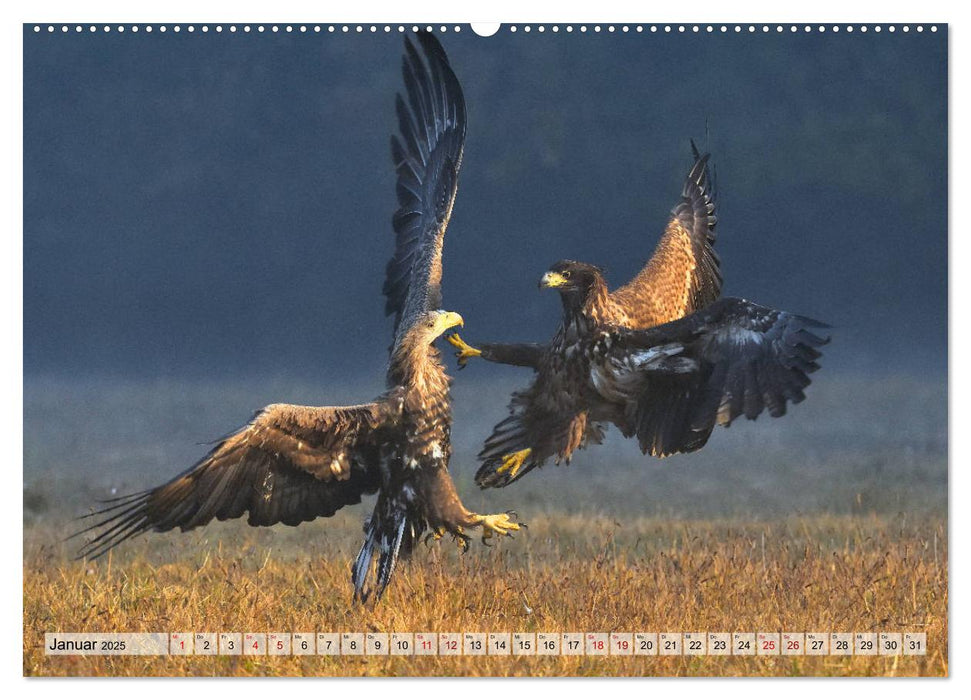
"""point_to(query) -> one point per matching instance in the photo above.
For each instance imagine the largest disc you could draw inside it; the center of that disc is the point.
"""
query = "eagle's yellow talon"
(499, 524)
(435, 535)
(513, 462)
(465, 352)
(439, 533)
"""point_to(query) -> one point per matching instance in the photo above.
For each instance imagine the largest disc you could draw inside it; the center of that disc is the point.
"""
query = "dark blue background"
(219, 204)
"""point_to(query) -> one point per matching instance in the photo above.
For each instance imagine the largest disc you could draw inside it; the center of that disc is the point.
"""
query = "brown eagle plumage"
(292, 464)
(681, 276)
(662, 358)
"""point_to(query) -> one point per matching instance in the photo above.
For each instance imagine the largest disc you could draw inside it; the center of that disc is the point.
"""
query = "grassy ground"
(830, 519)
(568, 573)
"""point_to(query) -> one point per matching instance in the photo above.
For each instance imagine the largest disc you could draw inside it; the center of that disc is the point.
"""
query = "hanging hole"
(485, 29)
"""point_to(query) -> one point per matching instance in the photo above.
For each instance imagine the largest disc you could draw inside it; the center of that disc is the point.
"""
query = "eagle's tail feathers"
(391, 531)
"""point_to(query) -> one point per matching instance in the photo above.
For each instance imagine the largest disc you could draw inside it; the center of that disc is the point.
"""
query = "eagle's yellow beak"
(552, 280)
(446, 320)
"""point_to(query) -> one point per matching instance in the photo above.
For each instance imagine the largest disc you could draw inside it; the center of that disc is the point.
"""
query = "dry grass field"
(831, 519)
(567, 573)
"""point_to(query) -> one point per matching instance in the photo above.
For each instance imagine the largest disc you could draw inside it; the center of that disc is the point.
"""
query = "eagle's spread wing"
(427, 157)
(670, 385)
(288, 465)
(675, 382)
(683, 274)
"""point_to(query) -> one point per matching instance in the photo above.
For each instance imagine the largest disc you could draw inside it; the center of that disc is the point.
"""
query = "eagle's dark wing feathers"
(683, 275)
(427, 157)
(288, 465)
(731, 359)
(670, 385)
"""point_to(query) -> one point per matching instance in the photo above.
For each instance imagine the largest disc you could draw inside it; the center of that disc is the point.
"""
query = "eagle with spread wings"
(291, 464)
(662, 358)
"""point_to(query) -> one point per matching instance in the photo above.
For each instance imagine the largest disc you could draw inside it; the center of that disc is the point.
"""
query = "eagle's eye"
(566, 274)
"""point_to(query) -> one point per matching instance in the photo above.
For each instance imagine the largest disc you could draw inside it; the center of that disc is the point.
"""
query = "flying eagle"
(292, 464)
(661, 357)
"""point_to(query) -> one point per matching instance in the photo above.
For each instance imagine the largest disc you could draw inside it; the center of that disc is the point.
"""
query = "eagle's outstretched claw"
(465, 352)
(498, 524)
(514, 514)
(514, 461)
(435, 535)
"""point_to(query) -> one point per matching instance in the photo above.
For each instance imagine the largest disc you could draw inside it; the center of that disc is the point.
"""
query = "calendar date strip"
(486, 644)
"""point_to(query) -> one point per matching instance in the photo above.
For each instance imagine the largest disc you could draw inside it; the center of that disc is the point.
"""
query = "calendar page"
(524, 349)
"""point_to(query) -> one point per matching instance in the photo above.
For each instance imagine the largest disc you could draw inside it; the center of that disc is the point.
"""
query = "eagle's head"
(572, 279)
(414, 360)
(433, 323)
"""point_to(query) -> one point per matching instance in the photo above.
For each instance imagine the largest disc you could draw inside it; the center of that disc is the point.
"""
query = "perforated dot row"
(722, 28)
(387, 28)
(244, 28)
